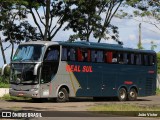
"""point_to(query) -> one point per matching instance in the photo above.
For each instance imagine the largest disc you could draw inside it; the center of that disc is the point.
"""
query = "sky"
(128, 34)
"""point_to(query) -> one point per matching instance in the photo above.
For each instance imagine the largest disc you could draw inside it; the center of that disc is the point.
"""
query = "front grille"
(21, 90)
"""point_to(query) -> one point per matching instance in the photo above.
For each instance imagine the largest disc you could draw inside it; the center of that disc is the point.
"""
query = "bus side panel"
(101, 82)
(110, 72)
(150, 83)
(104, 80)
(89, 78)
(130, 76)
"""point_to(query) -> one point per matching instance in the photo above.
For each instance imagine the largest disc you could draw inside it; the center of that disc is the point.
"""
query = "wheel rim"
(61, 95)
(132, 94)
(122, 94)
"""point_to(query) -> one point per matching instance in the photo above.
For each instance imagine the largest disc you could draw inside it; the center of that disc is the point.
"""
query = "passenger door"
(49, 69)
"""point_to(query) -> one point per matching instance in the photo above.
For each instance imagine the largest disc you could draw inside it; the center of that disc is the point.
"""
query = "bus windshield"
(22, 73)
(28, 53)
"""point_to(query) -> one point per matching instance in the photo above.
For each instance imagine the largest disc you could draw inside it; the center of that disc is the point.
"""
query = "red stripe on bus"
(50, 89)
(151, 71)
(128, 82)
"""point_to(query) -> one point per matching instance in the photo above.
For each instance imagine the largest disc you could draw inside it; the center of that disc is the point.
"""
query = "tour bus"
(61, 70)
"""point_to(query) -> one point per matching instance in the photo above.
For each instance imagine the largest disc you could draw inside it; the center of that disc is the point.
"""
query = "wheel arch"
(135, 87)
(63, 86)
(122, 86)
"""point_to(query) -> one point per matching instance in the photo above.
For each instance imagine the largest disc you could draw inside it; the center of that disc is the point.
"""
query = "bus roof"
(90, 45)
(104, 46)
(39, 42)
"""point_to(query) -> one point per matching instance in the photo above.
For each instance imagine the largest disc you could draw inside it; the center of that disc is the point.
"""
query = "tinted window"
(52, 54)
(146, 62)
(99, 56)
(108, 57)
(138, 59)
(93, 55)
(115, 57)
(64, 53)
(83, 54)
(151, 60)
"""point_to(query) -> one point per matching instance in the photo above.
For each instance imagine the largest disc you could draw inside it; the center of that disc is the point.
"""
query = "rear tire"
(122, 94)
(132, 95)
(63, 95)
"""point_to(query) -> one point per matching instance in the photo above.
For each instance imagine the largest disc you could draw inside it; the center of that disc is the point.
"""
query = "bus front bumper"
(32, 94)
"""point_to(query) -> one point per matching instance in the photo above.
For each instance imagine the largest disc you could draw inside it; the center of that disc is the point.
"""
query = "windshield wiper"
(27, 60)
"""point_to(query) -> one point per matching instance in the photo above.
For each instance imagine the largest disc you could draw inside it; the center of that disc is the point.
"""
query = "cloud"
(132, 37)
(148, 41)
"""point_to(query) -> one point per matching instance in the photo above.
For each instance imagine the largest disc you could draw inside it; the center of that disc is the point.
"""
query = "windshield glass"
(28, 53)
(23, 74)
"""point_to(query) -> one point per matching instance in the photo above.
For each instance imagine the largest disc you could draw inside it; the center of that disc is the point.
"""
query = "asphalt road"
(78, 108)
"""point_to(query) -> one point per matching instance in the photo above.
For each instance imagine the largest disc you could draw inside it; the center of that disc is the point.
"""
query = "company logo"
(6, 114)
(20, 114)
(78, 68)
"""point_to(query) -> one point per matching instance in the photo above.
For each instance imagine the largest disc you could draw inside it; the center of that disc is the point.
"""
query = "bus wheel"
(122, 94)
(63, 95)
(132, 95)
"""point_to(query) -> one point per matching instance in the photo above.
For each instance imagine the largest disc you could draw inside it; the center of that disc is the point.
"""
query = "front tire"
(132, 95)
(122, 94)
(63, 95)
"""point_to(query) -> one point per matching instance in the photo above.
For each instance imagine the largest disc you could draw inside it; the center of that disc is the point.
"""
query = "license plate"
(20, 94)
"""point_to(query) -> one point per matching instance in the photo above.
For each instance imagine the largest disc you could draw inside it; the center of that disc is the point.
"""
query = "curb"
(4, 91)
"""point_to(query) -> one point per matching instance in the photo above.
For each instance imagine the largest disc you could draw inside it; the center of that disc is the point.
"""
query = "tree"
(158, 64)
(14, 31)
(48, 14)
(153, 46)
(87, 19)
(2, 50)
(147, 11)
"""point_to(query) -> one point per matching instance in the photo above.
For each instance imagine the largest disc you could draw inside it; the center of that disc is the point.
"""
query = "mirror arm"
(4, 66)
(36, 68)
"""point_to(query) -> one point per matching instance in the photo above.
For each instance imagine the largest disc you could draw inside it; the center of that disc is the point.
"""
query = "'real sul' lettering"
(87, 69)
(78, 68)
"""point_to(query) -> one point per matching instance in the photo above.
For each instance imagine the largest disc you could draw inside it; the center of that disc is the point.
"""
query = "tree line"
(86, 18)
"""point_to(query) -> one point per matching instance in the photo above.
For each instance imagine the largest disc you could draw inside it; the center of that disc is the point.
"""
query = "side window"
(80, 57)
(120, 58)
(99, 56)
(115, 57)
(125, 58)
(132, 59)
(151, 60)
(72, 54)
(64, 53)
(108, 57)
(84, 54)
(146, 61)
(89, 55)
(52, 54)
(93, 55)
(138, 59)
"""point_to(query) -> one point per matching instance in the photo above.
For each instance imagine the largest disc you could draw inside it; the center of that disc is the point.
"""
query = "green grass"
(4, 85)
(123, 107)
(4, 82)
(158, 91)
(124, 110)
(8, 97)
